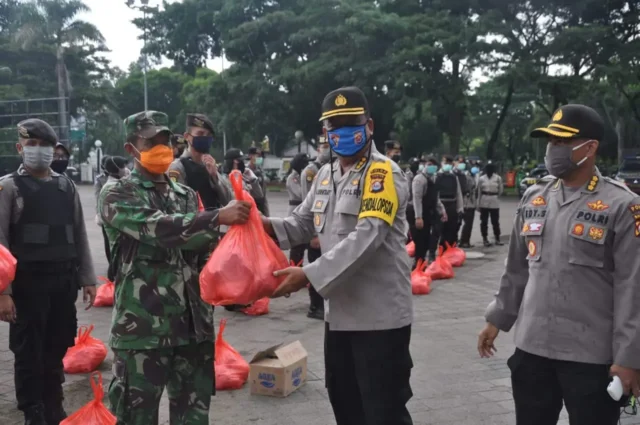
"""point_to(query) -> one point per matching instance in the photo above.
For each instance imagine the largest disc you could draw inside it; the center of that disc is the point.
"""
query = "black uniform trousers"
(494, 213)
(540, 385)
(450, 227)
(367, 376)
(427, 238)
(297, 255)
(469, 216)
(107, 252)
(45, 328)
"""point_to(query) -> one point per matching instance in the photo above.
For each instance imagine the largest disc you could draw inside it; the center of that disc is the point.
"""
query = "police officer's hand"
(486, 340)
(88, 296)
(315, 243)
(630, 379)
(236, 212)
(294, 280)
(419, 223)
(7, 309)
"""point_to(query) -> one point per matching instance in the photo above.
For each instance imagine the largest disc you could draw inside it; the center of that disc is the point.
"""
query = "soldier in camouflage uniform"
(162, 332)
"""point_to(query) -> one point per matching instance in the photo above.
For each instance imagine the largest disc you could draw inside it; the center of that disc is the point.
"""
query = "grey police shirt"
(294, 189)
(572, 275)
(11, 207)
(360, 219)
(489, 191)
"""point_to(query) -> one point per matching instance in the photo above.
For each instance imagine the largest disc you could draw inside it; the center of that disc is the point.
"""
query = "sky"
(113, 19)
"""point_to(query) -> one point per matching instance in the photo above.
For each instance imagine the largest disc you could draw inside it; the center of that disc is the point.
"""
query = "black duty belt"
(48, 267)
(489, 193)
(448, 200)
(294, 203)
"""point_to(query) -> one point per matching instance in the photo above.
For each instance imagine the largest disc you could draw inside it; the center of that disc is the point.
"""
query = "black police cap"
(344, 101)
(34, 128)
(199, 120)
(234, 154)
(413, 161)
(253, 150)
(392, 144)
(573, 122)
(63, 147)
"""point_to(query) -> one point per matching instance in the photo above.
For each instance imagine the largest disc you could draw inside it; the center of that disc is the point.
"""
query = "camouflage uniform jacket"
(158, 240)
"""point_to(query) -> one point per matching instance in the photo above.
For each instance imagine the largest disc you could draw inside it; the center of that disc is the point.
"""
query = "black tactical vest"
(430, 199)
(198, 179)
(447, 184)
(462, 179)
(45, 231)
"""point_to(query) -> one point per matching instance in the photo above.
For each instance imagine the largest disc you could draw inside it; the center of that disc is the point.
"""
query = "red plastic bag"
(420, 279)
(200, 204)
(441, 268)
(86, 355)
(454, 255)
(105, 293)
(8, 265)
(258, 308)
(232, 371)
(94, 412)
(240, 270)
(411, 249)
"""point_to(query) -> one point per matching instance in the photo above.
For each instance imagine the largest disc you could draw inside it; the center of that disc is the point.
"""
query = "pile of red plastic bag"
(86, 355)
(105, 293)
(94, 412)
(232, 370)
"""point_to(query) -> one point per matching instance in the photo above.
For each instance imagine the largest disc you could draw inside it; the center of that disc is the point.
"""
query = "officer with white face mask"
(571, 281)
(54, 260)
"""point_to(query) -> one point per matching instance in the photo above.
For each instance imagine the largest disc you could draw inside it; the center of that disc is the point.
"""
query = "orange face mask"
(157, 159)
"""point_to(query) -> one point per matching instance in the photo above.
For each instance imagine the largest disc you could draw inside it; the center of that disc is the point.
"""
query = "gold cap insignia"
(558, 115)
(23, 132)
(198, 122)
(341, 100)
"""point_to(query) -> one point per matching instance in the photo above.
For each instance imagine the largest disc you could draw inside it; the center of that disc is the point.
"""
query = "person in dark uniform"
(178, 144)
(256, 160)
(54, 260)
(60, 159)
(571, 281)
(450, 193)
(197, 168)
(429, 213)
(393, 150)
(414, 169)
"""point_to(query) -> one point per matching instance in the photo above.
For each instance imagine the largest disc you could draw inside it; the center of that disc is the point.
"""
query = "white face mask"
(37, 158)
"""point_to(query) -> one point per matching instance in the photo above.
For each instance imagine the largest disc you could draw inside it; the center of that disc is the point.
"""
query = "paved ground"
(451, 384)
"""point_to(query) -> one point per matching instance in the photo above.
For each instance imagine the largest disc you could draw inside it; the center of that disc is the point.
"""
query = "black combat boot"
(35, 416)
(466, 245)
(486, 242)
(54, 413)
(498, 242)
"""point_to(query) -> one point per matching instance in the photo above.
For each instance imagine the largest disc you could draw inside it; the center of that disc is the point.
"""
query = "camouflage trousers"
(140, 376)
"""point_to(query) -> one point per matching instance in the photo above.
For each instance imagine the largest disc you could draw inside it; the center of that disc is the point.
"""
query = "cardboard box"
(278, 371)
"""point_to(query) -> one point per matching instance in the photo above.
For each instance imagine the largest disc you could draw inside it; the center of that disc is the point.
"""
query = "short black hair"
(447, 158)
(432, 160)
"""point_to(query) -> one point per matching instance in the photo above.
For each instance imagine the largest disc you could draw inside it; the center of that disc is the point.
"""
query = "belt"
(48, 267)
(448, 200)
(294, 203)
(489, 193)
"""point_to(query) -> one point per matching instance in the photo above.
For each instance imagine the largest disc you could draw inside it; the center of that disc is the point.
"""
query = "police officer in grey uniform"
(316, 302)
(294, 189)
(489, 191)
(54, 260)
(470, 204)
(450, 191)
(414, 167)
(572, 282)
(196, 168)
(429, 211)
(357, 207)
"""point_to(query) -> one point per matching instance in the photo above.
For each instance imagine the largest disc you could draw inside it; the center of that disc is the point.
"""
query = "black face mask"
(396, 157)
(414, 168)
(59, 165)
(179, 153)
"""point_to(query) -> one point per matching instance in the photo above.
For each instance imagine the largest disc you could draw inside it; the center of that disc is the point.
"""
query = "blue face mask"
(347, 141)
(446, 167)
(202, 144)
(462, 166)
(432, 169)
(474, 170)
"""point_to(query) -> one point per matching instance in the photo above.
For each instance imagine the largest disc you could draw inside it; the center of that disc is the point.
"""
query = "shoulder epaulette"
(619, 184)
(546, 179)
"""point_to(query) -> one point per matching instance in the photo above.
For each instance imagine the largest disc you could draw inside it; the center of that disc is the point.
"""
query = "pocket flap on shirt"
(349, 205)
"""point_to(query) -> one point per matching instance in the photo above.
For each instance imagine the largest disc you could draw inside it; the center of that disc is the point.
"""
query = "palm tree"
(54, 23)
